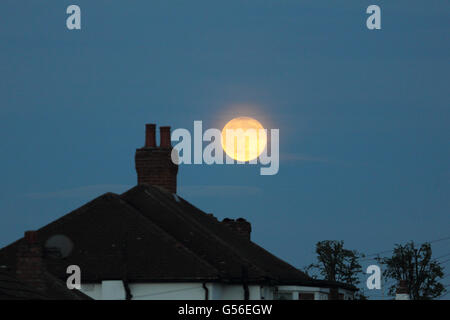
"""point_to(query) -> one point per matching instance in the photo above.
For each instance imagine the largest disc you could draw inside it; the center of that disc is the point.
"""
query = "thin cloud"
(80, 192)
(293, 157)
(218, 190)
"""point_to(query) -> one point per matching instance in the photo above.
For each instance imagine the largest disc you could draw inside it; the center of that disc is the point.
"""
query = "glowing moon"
(248, 142)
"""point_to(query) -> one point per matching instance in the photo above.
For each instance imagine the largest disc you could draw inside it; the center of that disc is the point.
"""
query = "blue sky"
(363, 115)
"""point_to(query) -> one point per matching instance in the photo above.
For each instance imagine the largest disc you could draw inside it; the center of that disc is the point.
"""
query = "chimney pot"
(150, 135)
(165, 137)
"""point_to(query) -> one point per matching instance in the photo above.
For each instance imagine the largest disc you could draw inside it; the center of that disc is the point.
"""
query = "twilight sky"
(363, 115)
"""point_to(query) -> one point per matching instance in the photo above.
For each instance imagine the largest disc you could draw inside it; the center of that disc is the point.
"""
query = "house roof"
(148, 234)
(13, 289)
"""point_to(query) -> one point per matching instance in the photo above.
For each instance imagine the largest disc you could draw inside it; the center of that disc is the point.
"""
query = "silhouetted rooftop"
(147, 234)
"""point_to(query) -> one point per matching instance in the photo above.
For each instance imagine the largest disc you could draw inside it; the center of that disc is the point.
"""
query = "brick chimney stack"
(154, 164)
(240, 226)
(30, 265)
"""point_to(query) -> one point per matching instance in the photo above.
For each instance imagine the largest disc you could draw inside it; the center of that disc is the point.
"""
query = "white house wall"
(236, 292)
(93, 290)
(167, 291)
(114, 290)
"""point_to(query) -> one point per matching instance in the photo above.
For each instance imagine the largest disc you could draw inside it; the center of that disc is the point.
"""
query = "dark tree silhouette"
(335, 263)
(416, 266)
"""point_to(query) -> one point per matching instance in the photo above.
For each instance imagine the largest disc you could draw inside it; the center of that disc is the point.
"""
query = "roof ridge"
(63, 219)
(251, 243)
(205, 268)
(173, 206)
(168, 235)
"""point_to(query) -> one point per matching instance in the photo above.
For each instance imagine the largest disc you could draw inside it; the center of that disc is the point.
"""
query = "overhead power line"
(445, 255)
(442, 239)
(375, 255)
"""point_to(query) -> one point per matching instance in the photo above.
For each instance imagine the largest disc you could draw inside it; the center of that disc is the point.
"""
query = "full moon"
(250, 145)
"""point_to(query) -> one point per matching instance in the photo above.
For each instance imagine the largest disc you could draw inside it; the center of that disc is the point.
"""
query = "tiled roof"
(148, 234)
(13, 289)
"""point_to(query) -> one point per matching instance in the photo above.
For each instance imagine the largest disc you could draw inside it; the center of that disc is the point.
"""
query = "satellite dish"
(59, 246)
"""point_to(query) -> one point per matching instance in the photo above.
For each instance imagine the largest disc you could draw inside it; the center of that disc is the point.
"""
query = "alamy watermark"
(374, 280)
(74, 280)
(241, 146)
(73, 21)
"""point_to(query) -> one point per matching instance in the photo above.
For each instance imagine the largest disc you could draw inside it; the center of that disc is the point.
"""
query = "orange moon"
(248, 143)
